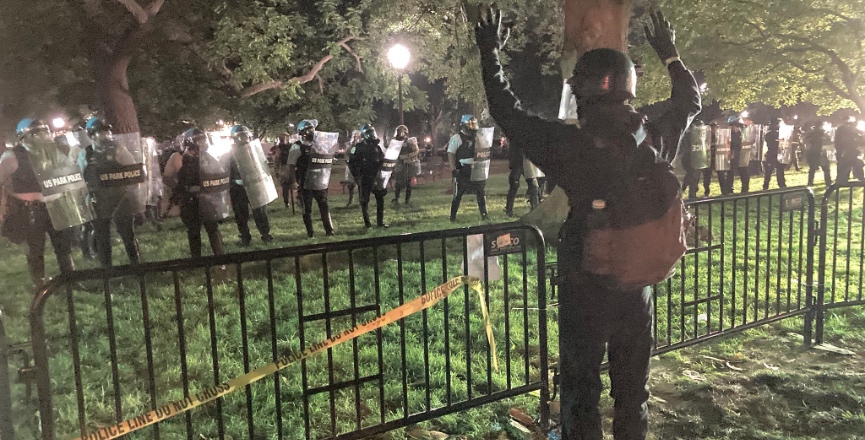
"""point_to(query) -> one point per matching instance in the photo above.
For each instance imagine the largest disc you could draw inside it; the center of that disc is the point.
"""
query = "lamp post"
(399, 56)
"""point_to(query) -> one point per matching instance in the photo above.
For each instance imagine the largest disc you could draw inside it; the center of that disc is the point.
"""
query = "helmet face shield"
(401, 132)
(306, 129)
(241, 134)
(367, 131)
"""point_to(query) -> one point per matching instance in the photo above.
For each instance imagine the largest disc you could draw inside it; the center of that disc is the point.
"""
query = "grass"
(681, 304)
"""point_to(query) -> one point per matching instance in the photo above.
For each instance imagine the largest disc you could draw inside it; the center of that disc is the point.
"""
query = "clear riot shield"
(255, 172)
(749, 139)
(483, 147)
(722, 149)
(119, 164)
(324, 147)
(700, 138)
(785, 144)
(153, 184)
(213, 200)
(530, 170)
(391, 154)
(63, 188)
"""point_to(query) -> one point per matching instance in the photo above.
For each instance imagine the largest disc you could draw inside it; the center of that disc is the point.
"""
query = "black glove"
(490, 34)
(661, 36)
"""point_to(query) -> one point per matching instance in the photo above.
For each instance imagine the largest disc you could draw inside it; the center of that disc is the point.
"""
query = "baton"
(291, 194)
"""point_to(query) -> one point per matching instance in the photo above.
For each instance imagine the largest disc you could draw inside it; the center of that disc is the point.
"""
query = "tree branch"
(302, 79)
(344, 44)
(838, 90)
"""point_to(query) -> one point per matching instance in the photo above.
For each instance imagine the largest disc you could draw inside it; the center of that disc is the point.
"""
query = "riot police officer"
(114, 173)
(587, 162)
(518, 164)
(199, 185)
(848, 141)
(695, 157)
(771, 161)
(407, 166)
(815, 156)
(33, 209)
(365, 160)
(307, 162)
(281, 158)
(741, 156)
(463, 150)
(251, 185)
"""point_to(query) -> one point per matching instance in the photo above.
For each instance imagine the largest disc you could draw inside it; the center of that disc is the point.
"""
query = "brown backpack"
(644, 233)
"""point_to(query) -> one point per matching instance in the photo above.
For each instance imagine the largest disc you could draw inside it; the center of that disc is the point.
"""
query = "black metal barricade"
(7, 431)
(750, 264)
(126, 340)
(842, 247)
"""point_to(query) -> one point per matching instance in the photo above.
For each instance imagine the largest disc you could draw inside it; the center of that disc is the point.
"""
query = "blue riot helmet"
(196, 140)
(241, 134)
(367, 131)
(95, 125)
(736, 120)
(468, 124)
(30, 125)
(306, 129)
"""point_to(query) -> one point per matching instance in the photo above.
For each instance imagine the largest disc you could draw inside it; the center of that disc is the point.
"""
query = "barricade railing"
(7, 430)
(842, 248)
(139, 337)
(750, 264)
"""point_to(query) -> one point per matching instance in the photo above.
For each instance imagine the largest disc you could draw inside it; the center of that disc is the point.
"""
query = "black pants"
(725, 181)
(402, 183)
(320, 196)
(464, 183)
(816, 162)
(190, 214)
(85, 240)
(240, 206)
(594, 320)
(848, 165)
(39, 225)
(286, 192)
(744, 177)
(707, 180)
(778, 168)
(125, 226)
(533, 191)
(692, 180)
(366, 186)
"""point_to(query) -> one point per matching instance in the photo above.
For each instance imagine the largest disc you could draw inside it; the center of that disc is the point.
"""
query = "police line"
(172, 409)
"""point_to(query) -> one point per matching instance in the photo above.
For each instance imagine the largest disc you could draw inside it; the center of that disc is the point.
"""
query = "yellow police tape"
(172, 409)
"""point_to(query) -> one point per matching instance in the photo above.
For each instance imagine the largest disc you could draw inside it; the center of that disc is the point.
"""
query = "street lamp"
(399, 56)
(58, 123)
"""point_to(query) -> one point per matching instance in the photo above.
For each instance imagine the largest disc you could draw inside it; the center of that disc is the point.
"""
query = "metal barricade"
(141, 336)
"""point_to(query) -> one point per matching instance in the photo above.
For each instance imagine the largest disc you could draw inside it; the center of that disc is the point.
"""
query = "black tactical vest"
(466, 149)
(24, 179)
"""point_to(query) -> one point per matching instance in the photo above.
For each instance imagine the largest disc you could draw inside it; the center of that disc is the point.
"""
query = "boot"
(66, 264)
(307, 221)
(36, 266)
(366, 221)
(132, 250)
(325, 218)
(195, 246)
(215, 243)
(350, 196)
(407, 194)
(482, 205)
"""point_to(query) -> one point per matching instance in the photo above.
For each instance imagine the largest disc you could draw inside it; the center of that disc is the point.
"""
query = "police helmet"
(735, 120)
(367, 131)
(606, 73)
(306, 124)
(190, 136)
(29, 125)
(401, 132)
(95, 124)
(468, 123)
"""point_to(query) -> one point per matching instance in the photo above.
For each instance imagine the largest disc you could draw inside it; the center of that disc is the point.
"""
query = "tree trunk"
(112, 85)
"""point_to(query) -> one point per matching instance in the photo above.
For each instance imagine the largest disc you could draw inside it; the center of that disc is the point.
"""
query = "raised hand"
(490, 34)
(661, 36)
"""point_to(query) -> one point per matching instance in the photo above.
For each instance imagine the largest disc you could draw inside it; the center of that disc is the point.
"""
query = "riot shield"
(700, 138)
(749, 140)
(119, 165)
(722, 149)
(391, 154)
(324, 147)
(63, 188)
(785, 144)
(153, 184)
(213, 201)
(483, 147)
(530, 170)
(255, 172)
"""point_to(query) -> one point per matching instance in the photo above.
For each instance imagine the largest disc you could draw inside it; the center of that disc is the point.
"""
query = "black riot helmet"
(367, 131)
(604, 75)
